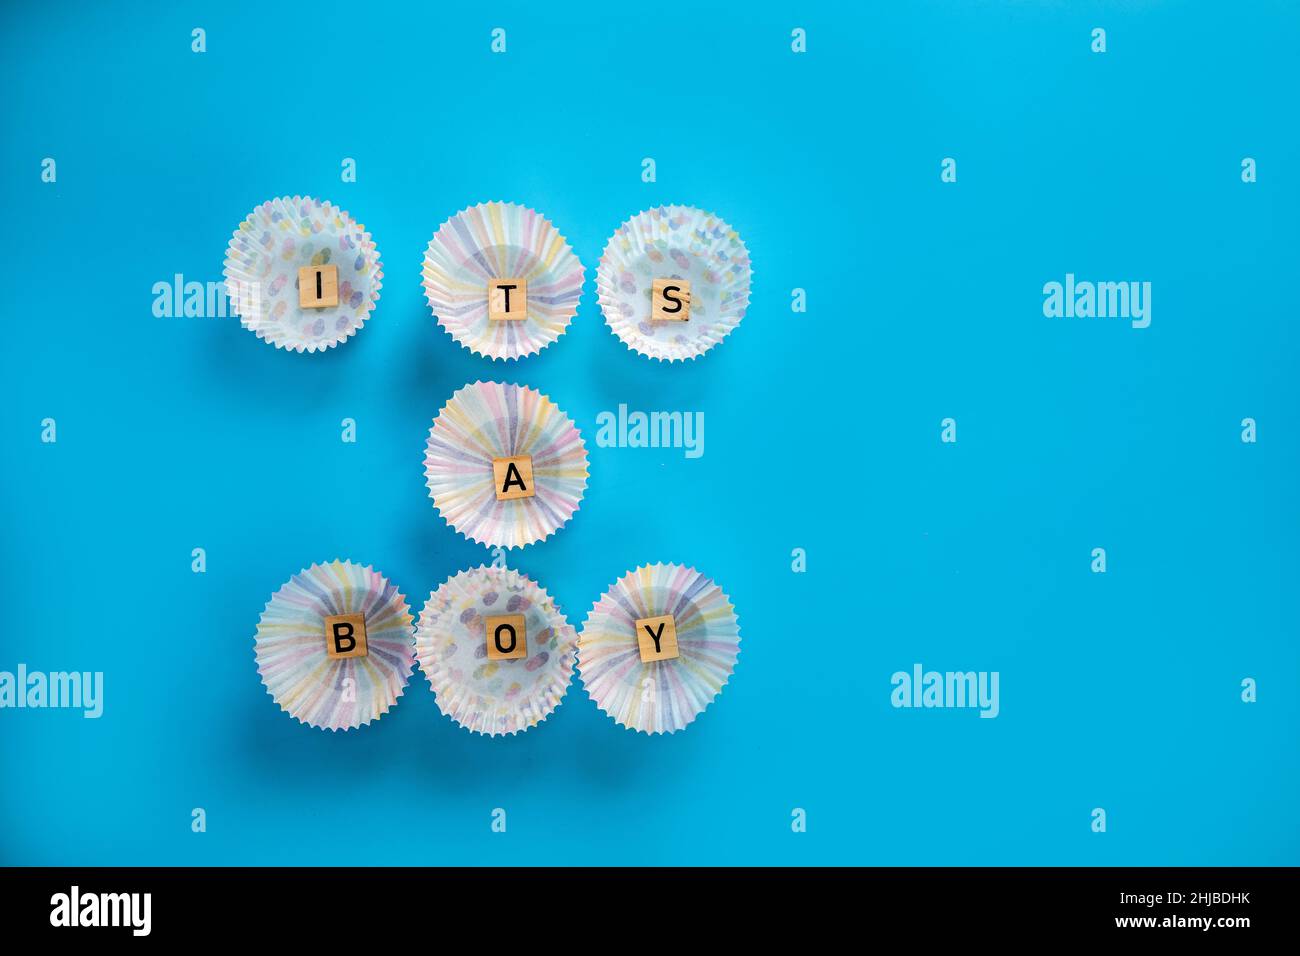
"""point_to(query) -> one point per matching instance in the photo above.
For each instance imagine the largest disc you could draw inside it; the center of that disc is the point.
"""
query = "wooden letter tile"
(670, 300)
(657, 638)
(513, 477)
(318, 287)
(345, 636)
(506, 640)
(507, 300)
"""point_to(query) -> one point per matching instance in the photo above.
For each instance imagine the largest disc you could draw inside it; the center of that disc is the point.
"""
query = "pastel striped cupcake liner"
(488, 421)
(291, 646)
(498, 240)
(658, 696)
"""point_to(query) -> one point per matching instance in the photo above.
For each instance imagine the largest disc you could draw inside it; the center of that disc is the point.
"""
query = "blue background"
(1118, 690)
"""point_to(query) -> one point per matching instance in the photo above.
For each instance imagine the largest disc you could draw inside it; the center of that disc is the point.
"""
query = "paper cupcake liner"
(659, 696)
(490, 420)
(494, 696)
(678, 242)
(498, 240)
(334, 694)
(262, 263)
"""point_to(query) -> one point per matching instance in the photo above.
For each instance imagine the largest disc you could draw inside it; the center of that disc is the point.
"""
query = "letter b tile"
(345, 636)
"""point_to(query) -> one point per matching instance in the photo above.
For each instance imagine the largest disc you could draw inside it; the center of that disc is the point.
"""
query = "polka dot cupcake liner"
(263, 260)
(682, 243)
(496, 650)
(505, 467)
(658, 647)
(504, 242)
(334, 645)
